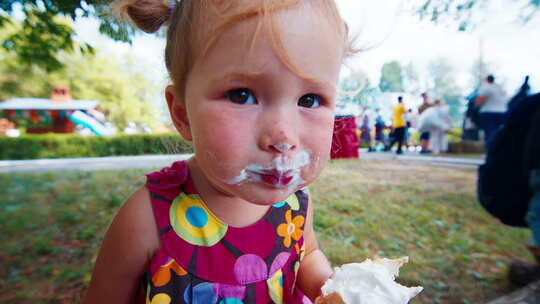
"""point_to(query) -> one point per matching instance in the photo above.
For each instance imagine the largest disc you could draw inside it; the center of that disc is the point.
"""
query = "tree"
(411, 80)
(463, 11)
(124, 94)
(357, 89)
(391, 77)
(444, 87)
(45, 31)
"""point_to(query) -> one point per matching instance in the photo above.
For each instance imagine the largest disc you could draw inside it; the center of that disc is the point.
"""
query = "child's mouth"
(279, 173)
(276, 178)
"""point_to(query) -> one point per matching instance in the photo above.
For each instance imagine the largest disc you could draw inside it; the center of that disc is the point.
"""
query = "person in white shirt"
(438, 138)
(492, 100)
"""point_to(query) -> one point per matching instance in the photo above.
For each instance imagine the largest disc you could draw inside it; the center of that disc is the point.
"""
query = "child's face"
(260, 131)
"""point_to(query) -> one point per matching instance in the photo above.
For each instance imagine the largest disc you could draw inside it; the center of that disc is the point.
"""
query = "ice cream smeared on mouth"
(283, 147)
(281, 172)
(371, 281)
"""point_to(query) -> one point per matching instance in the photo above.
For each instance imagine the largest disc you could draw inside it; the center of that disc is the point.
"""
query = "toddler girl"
(253, 88)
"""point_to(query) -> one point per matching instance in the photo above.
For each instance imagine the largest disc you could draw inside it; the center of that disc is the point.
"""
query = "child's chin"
(270, 196)
(267, 202)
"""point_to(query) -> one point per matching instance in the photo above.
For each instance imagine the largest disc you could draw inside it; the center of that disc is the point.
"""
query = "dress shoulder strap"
(164, 186)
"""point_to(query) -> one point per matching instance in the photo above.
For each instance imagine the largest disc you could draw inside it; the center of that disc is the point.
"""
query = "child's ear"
(177, 109)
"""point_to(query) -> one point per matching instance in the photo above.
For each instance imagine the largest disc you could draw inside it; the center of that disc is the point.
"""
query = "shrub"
(71, 145)
(454, 135)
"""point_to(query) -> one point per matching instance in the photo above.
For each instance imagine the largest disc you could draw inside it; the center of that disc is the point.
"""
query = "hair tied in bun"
(147, 15)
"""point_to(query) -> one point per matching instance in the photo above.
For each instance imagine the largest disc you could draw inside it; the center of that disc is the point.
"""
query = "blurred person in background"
(131, 128)
(365, 128)
(424, 136)
(409, 119)
(492, 102)
(398, 125)
(380, 125)
(438, 136)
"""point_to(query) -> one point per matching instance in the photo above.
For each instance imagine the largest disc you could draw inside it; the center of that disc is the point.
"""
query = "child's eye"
(241, 96)
(310, 101)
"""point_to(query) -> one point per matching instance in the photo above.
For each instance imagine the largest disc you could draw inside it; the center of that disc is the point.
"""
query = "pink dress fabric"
(203, 260)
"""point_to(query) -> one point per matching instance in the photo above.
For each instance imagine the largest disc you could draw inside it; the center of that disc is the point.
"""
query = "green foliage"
(69, 145)
(391, 77)
(454, 135)
(461, 12)
(38, 40)
(44, 35)
(352, 90)
(439, 81)
(444, 87)
(124, 93)
(411, 80)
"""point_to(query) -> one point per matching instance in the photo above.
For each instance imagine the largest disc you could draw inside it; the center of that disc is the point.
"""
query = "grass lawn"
(52, 225)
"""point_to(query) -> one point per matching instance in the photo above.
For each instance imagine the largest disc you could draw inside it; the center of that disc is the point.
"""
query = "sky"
(511, 49)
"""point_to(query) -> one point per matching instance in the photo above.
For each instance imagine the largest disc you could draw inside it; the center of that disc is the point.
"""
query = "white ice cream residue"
(283, 147)
(283, 166)
(370, 282)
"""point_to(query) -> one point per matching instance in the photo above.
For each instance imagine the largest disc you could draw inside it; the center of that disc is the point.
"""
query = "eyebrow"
(251, 75)
(237, 75)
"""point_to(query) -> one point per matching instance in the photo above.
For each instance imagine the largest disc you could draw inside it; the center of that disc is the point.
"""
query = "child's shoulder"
(127, 248)
(135, 217)
(133, 236)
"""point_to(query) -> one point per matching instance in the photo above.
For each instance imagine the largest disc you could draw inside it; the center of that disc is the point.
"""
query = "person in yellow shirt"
(398, 125)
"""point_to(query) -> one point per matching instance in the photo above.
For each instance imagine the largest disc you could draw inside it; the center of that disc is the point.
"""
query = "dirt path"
(150, 161)
(90, 164)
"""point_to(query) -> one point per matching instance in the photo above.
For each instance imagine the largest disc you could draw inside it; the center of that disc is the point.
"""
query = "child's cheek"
(231, 137)
(321, 146)
(223, 130)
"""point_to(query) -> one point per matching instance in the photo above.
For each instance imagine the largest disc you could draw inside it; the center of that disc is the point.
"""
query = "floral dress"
(203, 260)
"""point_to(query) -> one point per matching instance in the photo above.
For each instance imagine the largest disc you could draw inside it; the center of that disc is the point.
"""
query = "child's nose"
(278, 142)
(278, 136)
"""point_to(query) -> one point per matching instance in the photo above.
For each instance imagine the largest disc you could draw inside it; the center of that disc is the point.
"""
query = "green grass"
(52, 224)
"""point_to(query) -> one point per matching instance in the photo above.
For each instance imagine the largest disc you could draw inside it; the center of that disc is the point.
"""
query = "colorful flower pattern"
(275, 287)
(160, 298)
(231, 301)
(292, 228)
(250, 268)
(163, 275)
(192, 221)
(202, 260)
(292, 201)
(202, 293)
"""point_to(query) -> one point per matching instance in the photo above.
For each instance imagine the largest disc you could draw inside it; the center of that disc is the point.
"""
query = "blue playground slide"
(91, 123)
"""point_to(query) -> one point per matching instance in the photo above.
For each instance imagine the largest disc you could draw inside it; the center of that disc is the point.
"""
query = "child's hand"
(333, 298)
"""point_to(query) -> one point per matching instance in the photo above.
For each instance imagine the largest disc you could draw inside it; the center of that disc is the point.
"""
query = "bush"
(71, 145)
(454, 135)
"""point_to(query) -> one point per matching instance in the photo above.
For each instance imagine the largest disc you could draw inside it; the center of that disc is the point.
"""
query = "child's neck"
(231, 210)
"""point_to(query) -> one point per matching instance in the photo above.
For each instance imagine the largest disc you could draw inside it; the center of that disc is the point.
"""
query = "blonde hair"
(190, 35)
